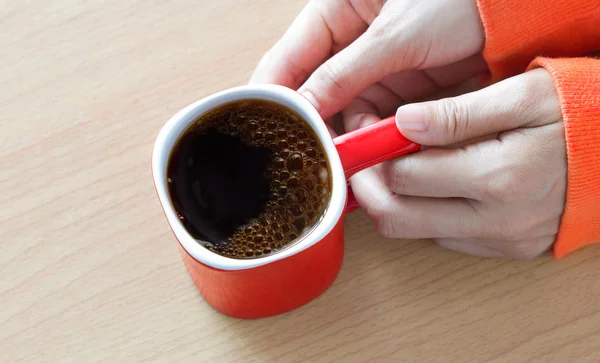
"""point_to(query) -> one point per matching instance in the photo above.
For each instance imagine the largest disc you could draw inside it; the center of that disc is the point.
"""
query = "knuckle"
(369, 9)
(382, 27)
(509, 230)
(397, 175)
(413, 54)
(382, 215)
(523, 91)
(530, 98)
(385, 34)
(386, 228)
(506, 185)
(453, 120)
(334, 76)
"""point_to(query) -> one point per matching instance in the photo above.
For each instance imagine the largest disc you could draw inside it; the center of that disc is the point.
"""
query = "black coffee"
(249, 178)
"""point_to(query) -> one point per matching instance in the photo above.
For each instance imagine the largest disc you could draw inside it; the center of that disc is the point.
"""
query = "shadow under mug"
(290, 278)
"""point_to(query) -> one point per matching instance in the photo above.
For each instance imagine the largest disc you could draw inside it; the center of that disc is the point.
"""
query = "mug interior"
(175, 127)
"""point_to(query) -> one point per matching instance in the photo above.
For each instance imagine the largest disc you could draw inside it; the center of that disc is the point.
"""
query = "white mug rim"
(178, 123)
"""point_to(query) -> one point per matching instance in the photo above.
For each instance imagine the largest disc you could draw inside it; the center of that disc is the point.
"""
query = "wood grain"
(89, 271)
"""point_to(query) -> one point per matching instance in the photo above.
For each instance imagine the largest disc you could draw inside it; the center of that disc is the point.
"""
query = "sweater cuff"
(577, 83)
(518, 31)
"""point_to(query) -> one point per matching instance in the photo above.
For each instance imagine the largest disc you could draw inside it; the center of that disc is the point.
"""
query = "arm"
(577, 82)
(518, 31)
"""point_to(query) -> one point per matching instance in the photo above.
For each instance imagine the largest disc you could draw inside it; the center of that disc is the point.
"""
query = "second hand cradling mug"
(290, 278)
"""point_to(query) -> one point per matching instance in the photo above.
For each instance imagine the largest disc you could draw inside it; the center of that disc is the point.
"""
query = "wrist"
(577, 83)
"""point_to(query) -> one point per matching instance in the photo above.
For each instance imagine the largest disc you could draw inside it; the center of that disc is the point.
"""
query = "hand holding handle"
(372, 145)
(369, 146)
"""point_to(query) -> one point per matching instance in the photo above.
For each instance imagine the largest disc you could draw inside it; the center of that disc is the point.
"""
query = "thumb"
(334, 84)
(526, 100)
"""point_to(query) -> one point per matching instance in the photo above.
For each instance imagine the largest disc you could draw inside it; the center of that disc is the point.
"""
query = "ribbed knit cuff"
(517, 31)
(577, 82)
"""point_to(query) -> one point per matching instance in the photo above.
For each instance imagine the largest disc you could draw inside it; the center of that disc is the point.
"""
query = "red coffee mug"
(290, 278)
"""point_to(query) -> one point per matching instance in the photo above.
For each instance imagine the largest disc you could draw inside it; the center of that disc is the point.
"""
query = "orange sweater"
(524, 34)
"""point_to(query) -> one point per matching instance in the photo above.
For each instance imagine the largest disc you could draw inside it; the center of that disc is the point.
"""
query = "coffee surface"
(249, 178)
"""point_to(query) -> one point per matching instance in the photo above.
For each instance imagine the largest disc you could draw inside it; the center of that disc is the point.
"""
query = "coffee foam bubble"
(299, 176)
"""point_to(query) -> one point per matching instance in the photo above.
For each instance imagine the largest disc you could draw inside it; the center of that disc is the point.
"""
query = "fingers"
(440, 173)
(410, 217)
(383, 98)
(522, 249)
(406, 35)
(359, 113)
(411, 85)
(486, 170)
(527, 100)
(308, 42)
(346, 75)
(377, 101)
(455, 223)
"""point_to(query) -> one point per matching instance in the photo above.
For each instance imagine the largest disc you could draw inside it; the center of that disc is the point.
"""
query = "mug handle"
(369, 146)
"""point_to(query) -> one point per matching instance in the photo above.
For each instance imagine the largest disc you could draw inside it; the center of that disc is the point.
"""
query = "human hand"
(500, 196)
(373, 56)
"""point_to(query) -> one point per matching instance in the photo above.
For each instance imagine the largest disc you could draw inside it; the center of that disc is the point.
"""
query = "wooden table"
(89, 271)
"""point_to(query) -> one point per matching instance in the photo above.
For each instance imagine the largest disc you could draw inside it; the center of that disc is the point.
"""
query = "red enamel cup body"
(290, 278)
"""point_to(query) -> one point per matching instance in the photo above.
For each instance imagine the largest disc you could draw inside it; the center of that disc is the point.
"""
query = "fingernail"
(367, 119)
(412, 118)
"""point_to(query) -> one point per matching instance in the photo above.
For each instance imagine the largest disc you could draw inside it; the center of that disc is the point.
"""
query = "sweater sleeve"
(517, 31)
(577, 82)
